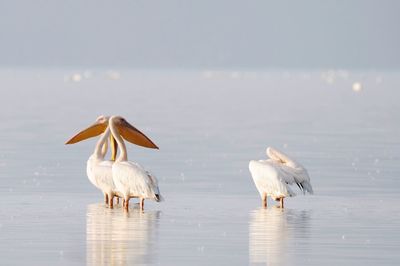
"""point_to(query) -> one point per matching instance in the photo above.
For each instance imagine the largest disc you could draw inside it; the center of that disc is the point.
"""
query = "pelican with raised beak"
(130, 178)
(99, 170)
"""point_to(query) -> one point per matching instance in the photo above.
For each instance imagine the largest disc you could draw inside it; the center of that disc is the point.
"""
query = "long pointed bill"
(133, 135)
(92, 131)
(114, 147)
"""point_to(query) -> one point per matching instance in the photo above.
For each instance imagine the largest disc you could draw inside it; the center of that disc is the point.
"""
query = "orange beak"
(127, 131)
(92, 131)
(133, 135)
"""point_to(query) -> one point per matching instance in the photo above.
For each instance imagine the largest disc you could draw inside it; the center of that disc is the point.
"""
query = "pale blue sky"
(198, 34)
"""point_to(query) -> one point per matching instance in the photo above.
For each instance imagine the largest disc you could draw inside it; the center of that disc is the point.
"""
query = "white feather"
(98, 170)
(268, 179)
(294, 171)
(134, 181)
(99, 173)
(131, 179)
(273, 176)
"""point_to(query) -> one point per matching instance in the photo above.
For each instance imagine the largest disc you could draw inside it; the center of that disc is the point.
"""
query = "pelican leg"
(141, 203)
(281, 202)
(105, 198)
(126, 205)
(264, 200)
(111, 202)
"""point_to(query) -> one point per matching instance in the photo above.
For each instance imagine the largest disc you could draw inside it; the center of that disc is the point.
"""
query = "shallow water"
(208, 125)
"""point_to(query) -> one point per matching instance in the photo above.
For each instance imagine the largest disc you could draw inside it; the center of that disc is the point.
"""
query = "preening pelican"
(131, 179)
(99, 170)
(273, 176)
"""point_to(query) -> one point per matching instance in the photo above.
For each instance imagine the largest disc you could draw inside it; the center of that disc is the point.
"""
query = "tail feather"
(301, 187)
(307, 187)
(158, 197)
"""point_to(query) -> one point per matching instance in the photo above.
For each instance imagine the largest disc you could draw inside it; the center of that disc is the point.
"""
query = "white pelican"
(99, 170)
(131, 179)
(273, 176)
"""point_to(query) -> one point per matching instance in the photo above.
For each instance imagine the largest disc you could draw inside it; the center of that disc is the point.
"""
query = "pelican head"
(126, 130)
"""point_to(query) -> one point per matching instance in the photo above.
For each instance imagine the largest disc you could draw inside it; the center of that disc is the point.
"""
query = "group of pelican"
(118, 177)
(125, 179)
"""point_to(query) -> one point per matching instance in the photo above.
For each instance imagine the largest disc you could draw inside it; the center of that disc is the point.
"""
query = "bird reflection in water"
(272, 231)
(114, 237)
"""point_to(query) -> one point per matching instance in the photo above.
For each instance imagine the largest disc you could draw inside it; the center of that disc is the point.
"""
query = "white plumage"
(273, 176)
(131, 179)
(100, 175)
(134, 181)
(99, 171)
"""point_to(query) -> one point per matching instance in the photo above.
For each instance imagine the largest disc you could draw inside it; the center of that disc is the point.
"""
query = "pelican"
(131, 179)
(273, 176)
(99, 171)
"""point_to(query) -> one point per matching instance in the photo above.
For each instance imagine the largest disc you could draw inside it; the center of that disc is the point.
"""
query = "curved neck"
(100, 143)
(114, 148)
(123, 156)
(104, 149)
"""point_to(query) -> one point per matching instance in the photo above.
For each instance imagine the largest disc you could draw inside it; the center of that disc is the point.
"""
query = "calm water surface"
(208, 125)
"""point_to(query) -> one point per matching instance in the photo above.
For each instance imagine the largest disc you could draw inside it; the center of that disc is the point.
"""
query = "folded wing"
(290, 170)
